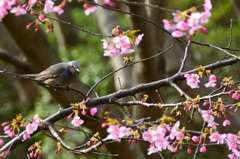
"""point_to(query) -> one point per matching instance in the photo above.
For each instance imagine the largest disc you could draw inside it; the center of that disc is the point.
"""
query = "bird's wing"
(50, 73)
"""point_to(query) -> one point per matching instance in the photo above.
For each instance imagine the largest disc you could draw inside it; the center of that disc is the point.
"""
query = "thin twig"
(216, 47)
(230, 40)
(81, 29)
(185, 56)
(181, 92)
(209, 45)
(151, 57)
(102, 79)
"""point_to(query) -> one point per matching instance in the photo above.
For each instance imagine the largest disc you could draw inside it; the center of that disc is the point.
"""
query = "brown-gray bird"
(61, 74)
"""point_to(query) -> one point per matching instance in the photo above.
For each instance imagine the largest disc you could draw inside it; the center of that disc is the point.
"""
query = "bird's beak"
(77, 70)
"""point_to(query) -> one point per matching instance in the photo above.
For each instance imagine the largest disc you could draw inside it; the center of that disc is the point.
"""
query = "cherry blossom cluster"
(31, 127)
(122, 43)
(235, 93)
(77, 121)
(189, 21)
(11, 127)
(193, 79)
(91, 9)
(17, 8)
(35, 150)
(116, 132)
(231, 140)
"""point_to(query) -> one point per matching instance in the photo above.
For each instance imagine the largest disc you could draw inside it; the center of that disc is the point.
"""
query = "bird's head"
(74, 67)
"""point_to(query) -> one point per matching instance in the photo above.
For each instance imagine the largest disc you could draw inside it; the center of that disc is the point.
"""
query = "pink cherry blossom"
(31, 3)
(156, 135)
(105, 43)
(178, 33)
(169, 25)
(189, 150)
(213, 125)
(103, 125)
(41, 17)
(121, 41)
(194, 19)
(152, 149)
(77, 121)
(112, 51)
(84, 112)
(106, 2)
(232, 141)
(230, 92)
(231, 156)
(6, 128)
(206, 104)
(204, 17)
(162, 144)
(18, 11)
(182, 25)
(138, 39)
(212, 78)
(236, 96)
(126, 50)
(179, 135)
(26, 136)
(3, 13)
(215, 137)
(226, 122)
(193, 29)
(7, 4)
(195, 139)
(113, 131)
(171, 148)
(58, 9)
(204, 30)
(48, 7)
(147, 136)
(203, 149)
(36, 119)
(31, 127)
(207, 117)
(192, 80)
(11, 134)
(90, 10)
(174, 130)
(207, 5)
(124, 132)
(93, 111)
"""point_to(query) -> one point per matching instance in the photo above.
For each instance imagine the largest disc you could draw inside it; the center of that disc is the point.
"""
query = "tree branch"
(5, 56)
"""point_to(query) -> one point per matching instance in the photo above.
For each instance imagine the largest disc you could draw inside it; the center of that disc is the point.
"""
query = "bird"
(60, 74)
